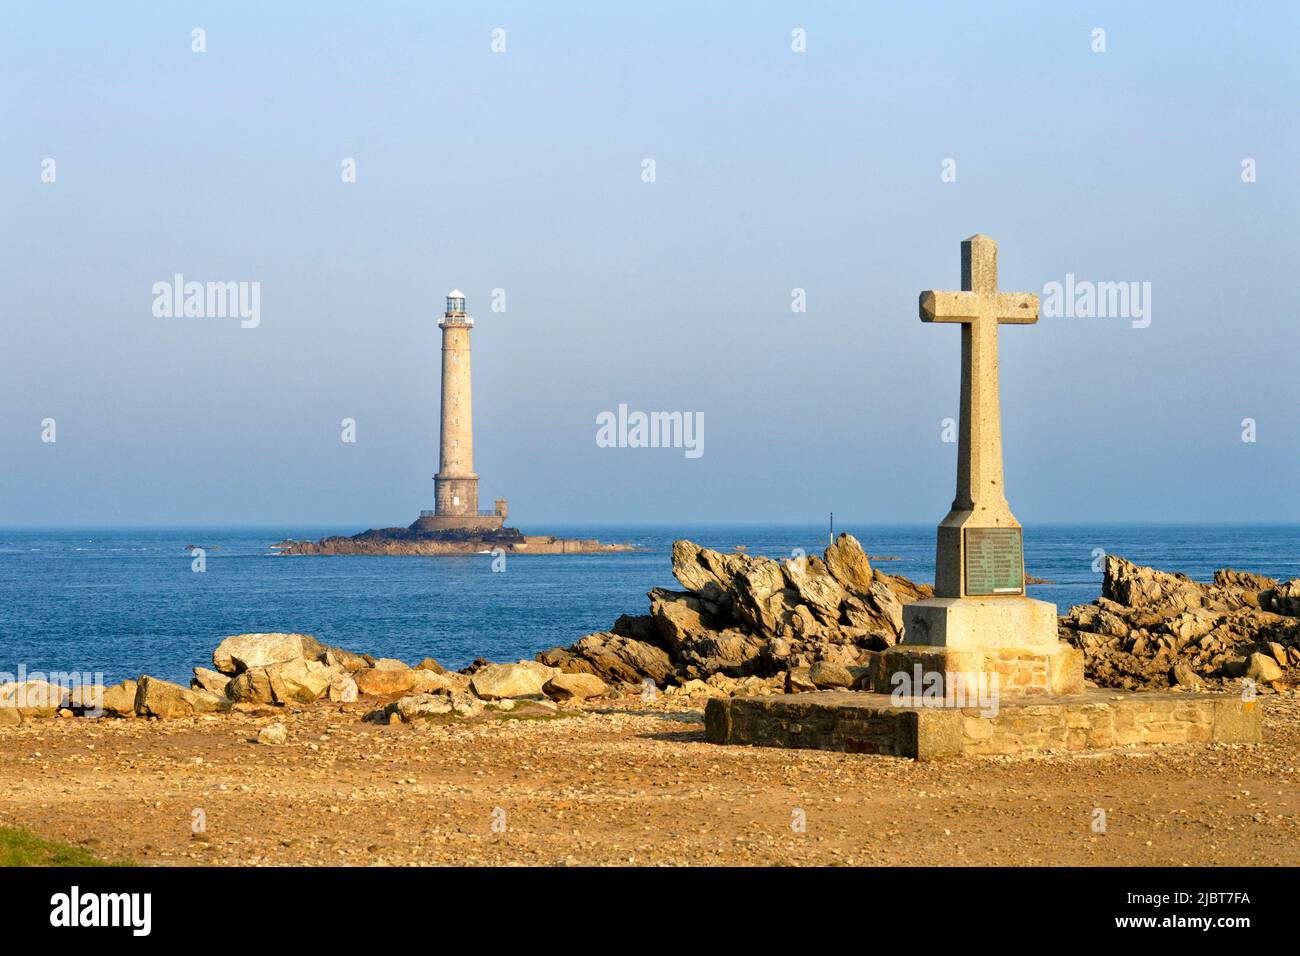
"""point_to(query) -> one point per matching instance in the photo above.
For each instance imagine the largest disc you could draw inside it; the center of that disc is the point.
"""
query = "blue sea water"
(125, 601)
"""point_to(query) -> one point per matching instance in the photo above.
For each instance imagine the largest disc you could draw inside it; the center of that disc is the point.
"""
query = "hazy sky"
(522, 170)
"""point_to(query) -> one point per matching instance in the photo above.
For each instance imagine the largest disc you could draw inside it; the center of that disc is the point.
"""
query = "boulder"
(429, 664)
(243, 651)
(338, 657)
(160, 698)
(695, 688)
(95, 700)
(1262, 668)
(615, 659)
(213, 681)
(496, 681)
(273, 735)
(537, 667)
(467, 705)
(848, 564)
(575, 687)
(1184, 675)
(119, 700)
(425, 681)
(33, 698)
(251, 687)
(390, 664)
(384, 682)
(798, 680)
(419, 706)
(825, 674)
(343, 689)
(300, 680)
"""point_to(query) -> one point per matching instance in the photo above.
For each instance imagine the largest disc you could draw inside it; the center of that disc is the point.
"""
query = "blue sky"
(522, 171)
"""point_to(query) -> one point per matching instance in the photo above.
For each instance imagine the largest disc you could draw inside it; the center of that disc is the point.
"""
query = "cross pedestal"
(980, 621)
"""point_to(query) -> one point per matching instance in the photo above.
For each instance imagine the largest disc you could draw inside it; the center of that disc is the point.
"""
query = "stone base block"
(860, 722)
(1056, 668)
(980, 622)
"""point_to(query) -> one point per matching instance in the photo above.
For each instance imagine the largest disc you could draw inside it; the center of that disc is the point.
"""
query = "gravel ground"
(627, 783)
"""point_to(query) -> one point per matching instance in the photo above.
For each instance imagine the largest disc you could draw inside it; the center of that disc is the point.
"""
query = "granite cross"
(981, 500)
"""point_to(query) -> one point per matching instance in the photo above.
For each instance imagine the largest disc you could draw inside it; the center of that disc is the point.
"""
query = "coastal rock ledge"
(410, 541)
(746, 617)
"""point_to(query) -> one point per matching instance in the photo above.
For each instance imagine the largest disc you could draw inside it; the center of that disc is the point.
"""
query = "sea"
(121, 602)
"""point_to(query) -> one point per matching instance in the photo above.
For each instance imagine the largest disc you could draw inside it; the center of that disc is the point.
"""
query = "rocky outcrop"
(410, 541)
(743, 615)
(1154, 628)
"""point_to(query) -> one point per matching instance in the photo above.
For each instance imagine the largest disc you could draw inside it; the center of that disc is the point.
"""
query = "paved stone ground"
(638, 785)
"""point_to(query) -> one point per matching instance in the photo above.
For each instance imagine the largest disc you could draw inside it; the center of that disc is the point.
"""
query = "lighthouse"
(456, 483)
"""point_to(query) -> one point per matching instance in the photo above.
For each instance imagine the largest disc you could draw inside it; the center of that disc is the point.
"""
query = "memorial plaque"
(994, 561)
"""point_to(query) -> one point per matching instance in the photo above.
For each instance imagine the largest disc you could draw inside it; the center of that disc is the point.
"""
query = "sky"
(829, 170)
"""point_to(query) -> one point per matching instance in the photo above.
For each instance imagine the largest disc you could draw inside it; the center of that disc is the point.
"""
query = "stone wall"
(854, 722)
(458, 523)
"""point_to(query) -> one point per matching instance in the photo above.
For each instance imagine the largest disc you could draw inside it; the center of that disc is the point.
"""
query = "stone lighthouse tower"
(456, 483)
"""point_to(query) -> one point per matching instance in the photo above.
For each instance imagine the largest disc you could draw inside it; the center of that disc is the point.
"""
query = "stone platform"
(868, 723)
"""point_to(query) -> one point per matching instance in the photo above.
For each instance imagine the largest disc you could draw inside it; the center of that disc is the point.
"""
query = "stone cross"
(981, 501)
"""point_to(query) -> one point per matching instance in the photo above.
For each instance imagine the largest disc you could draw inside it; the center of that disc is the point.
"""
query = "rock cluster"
(253, 672)
(1153, 628)
(742, 615)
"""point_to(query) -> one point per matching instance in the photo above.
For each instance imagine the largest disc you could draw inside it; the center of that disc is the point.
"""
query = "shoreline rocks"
(743, 625)
(1156, 629)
